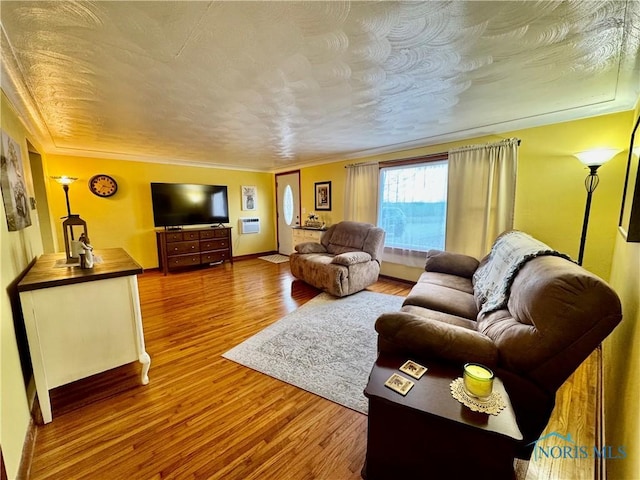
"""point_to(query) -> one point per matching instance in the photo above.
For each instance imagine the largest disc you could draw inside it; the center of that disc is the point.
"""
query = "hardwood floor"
(203, 416)
(575, 414)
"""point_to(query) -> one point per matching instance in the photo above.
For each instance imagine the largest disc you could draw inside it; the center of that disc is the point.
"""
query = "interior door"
(287, 208)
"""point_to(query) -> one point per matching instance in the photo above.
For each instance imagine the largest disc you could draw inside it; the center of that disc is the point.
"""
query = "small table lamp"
(71, 221)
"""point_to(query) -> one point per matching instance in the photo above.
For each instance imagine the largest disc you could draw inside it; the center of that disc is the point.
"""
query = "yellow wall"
(550, 195)
(621, 354)
(18, 249)
(550, 192)
(126, 219)
(331, 172)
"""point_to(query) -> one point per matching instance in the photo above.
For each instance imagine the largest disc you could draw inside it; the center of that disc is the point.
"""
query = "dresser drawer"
(187, 235)
(184, 260)
(193, 246)
(312, 235)
(301, 235)
(214, 244)
(173, 237)
(221, 233)
(298, 236)
(178, 248)
(212, 257)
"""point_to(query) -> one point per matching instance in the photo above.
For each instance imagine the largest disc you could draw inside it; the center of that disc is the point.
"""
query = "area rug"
(275, 258)
(326, 347)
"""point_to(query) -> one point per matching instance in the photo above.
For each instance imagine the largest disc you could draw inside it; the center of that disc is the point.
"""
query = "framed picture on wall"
(249, 198)
(323, 195)
(14, 190)
(630, 209)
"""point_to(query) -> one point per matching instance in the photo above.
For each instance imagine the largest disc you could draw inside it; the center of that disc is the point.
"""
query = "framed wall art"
(249, 198)
(323, 195)
(14, 189)
(630, 209)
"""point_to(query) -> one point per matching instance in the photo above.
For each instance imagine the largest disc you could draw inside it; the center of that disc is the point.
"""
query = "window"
(287, 205)
(413, 206)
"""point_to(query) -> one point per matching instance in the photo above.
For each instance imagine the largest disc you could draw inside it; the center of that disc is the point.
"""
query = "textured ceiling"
(271, 85)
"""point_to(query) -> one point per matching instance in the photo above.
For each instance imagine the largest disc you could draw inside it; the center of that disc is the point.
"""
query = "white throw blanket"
(492, 280)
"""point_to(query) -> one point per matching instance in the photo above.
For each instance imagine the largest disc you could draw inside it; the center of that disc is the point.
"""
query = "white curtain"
(361, 193)
(481, 195)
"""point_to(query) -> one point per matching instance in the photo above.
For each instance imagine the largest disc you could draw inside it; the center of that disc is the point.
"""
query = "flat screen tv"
(180, 204)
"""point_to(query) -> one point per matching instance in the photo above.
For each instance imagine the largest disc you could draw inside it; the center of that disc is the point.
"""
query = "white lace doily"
(492, 405)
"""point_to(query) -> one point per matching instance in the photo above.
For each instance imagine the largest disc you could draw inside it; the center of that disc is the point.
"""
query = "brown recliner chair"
(554, 314)
(346, 260)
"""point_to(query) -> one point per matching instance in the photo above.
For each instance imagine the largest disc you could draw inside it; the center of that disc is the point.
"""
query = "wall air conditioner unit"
(249, 225)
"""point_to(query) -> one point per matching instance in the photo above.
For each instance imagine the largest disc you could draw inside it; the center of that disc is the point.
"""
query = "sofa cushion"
(351, 258)
(310, 247)
(346, 237)
(451, 263)
(444, 299)
(447, 280)
(425, 337)
(440, 316)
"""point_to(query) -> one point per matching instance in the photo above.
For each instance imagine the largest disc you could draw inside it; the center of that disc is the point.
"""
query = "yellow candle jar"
(478, 380)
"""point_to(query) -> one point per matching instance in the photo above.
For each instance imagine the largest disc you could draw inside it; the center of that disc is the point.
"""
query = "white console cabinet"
(81, 322)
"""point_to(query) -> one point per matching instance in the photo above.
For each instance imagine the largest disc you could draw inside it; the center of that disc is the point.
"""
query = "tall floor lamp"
(593, 159)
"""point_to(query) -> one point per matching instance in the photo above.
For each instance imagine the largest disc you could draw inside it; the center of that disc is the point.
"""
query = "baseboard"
(254, 255)
(28, 449)
(235, 259)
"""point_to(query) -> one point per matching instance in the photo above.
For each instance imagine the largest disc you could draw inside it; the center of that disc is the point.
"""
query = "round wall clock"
(103, 185)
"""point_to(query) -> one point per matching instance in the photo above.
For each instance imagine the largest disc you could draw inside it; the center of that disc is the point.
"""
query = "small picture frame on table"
(399, 384)
(323, 195)
(413, 369)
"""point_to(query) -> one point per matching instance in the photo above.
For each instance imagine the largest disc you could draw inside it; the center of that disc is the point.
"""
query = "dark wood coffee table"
(429, 434)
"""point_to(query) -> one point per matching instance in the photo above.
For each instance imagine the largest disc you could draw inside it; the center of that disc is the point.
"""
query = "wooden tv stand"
(189, 247)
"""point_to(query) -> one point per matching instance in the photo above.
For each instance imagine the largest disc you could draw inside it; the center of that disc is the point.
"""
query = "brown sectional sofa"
(552, 315)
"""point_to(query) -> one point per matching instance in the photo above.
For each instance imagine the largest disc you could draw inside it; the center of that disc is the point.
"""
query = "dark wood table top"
(44, 273)
(432, 395)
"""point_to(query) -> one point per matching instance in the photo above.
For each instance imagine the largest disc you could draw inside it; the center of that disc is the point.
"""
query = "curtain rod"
(351, 165)
(506, 141)
(436, 155)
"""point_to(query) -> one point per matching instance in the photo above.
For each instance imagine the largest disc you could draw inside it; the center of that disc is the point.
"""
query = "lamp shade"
(597, 157)
(64, 180)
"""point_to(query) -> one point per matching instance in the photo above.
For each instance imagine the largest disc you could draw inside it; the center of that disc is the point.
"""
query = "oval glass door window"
(287, 205)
